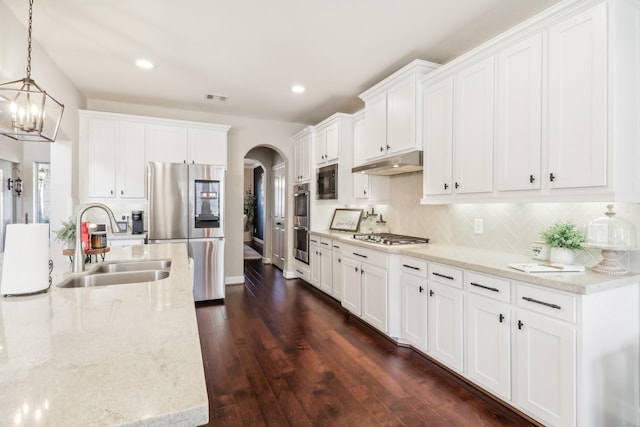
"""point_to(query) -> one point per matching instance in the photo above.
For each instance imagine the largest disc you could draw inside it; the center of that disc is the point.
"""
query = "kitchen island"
(108, 355)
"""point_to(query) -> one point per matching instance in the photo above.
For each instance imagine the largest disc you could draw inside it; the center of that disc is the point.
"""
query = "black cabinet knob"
(552, 177)
(520, 324)
(531, 179)
(456, 185)
(420, 289)
(446, 185)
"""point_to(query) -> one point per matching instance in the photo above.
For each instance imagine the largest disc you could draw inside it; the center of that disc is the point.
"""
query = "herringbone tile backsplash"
(508, 227)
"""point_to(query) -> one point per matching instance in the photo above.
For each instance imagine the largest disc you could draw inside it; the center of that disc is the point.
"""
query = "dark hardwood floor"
(281, 353)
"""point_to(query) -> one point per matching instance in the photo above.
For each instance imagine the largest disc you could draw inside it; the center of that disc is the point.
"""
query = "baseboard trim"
(234, 280)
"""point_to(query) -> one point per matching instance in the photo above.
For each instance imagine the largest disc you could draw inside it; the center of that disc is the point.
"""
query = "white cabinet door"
(375, 296)
(352, 288)
(578, 100)
(438, 137)
(414, 310)
(488, 344)
(315, 263)
(326, 271)
(320, 144)
(338, 278)
(167, 143)
(332, 143)
(545, 368)
(444, 325)
(361, 186)
(519, 116)
(131, 165)
(376, 127)
(359, 142)
(207, 147)
(473, 128)
(101, 140)
(302, 147)
(401, 117)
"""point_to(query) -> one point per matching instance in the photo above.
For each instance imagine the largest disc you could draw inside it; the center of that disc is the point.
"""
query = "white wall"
(245, 134)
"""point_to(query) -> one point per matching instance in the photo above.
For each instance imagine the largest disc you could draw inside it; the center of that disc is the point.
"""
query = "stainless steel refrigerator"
(186, 204)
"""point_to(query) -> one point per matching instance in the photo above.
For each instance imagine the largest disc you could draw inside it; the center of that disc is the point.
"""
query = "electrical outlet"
(478, 226)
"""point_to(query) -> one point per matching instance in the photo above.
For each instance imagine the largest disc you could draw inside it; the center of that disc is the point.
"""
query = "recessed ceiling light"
(145, 64)
(297, 89)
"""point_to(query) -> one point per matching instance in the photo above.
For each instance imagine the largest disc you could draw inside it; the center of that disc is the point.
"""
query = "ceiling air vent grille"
(212, 97)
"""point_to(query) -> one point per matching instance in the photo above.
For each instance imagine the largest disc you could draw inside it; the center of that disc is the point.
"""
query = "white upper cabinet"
(393, 112)
(208, 146)
(458, 132)
(473, 128)
(115, 148)
(302, 158)
(519, 116)
(578, 100)
(185, 142)
(438, 137)
(112, 157)
(563, 124)
(327, 141)
(167, 143)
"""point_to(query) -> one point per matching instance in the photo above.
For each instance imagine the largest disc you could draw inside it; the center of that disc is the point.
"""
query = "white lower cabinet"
(315, 263)
(545, 365)
(366, 285)
(488, 344)
(352, 291)
(444, 325)
(374, 296)
(326, 270)
(338, 277)
(414, 310)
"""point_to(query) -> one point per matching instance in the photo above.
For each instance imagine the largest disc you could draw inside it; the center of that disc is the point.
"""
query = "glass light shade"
(610, 232)
(28, 113)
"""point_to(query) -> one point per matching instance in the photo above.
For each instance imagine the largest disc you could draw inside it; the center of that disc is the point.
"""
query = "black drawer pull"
(324, 243)
(336, 247)
(361, 256)
(484, 287)
(411, 267)
(301, 272)
(442, 275)
(542, 302)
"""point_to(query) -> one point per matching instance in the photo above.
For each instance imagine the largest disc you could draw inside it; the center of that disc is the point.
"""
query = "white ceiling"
(253, 50)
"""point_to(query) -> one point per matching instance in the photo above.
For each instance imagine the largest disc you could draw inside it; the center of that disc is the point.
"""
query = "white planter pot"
(247, 236)
(561, 255)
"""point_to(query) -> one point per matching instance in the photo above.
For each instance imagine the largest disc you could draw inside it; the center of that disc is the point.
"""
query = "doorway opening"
(264, 206)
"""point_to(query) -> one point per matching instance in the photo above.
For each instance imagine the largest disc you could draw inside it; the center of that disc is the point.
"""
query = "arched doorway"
(265, 205)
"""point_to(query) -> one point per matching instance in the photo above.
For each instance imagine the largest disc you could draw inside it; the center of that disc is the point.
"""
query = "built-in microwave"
(327, 179)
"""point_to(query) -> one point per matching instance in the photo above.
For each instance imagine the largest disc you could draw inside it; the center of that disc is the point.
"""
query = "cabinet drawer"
(548, 302)
(303, 273)
(489, 286)
(368, 256)
(314, 239)
(336, 246)
(446, 275)
(414, 266)
(326, 242)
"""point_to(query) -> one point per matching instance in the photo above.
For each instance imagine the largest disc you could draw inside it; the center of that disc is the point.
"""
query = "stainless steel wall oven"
(301, 222)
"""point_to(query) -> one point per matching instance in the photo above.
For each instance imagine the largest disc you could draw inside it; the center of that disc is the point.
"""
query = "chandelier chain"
(29, 40)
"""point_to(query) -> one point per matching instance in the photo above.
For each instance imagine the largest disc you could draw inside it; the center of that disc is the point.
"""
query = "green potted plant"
(249, 212)
(563, 238)
(67, 234)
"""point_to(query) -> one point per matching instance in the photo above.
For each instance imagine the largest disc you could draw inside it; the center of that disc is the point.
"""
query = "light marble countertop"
(492, 262)
(111, 355)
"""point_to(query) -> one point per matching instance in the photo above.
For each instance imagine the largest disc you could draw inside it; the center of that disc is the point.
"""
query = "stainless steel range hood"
(404, 163)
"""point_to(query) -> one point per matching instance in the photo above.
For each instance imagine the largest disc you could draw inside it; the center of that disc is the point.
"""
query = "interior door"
(278, 216)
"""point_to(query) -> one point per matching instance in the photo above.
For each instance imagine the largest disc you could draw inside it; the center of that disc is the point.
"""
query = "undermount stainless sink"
(118, 278)
(119, 266)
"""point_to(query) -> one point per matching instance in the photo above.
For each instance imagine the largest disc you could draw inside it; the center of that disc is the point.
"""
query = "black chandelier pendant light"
(28, 112)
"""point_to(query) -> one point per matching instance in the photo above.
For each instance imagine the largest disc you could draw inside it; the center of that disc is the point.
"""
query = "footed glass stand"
(610, 263)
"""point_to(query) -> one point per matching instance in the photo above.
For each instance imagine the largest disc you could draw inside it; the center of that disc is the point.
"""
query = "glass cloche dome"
(612, 235)
(610, 232)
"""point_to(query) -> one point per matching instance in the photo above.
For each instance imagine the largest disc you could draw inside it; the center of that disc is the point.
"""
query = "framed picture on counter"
(346, 220)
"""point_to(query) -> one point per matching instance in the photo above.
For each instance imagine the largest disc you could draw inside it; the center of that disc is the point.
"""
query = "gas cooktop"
(389, 239)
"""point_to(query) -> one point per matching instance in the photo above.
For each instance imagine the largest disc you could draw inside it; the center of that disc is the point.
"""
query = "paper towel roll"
(25, 268)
